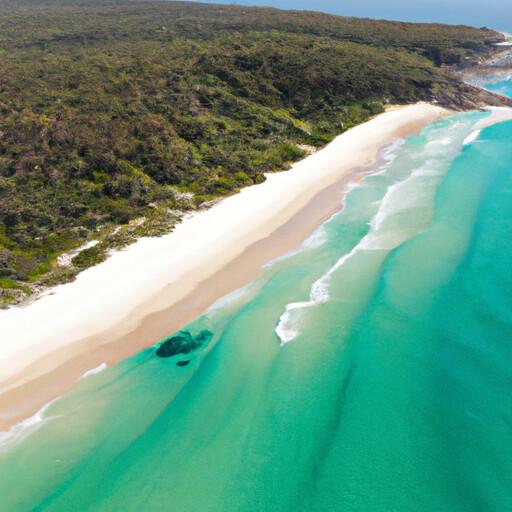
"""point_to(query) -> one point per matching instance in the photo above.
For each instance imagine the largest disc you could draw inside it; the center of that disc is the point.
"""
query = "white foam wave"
(22, 429)
(471, 137)
(391, 152)
(386, 205)
(319, 237)
(352, 186)
(230, 298)
(446, 141)
(315, 240)
(398, 198)
(94, 371)
(389, 155)
(286, 328)
(405, 195)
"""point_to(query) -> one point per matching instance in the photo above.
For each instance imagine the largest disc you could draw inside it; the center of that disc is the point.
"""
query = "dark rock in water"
(183, 343)
(182, 363)
(204, 336)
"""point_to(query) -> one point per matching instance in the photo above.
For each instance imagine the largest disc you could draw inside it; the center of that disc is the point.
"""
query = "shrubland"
(117, 117)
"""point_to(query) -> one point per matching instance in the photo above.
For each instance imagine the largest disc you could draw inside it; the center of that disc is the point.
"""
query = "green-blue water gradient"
(392, 393)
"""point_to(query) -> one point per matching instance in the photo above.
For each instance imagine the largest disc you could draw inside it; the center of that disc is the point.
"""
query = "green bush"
(89, 257)
(103, 118)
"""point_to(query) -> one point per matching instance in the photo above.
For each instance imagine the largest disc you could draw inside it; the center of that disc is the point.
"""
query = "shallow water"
(368, 371)
(501, 85)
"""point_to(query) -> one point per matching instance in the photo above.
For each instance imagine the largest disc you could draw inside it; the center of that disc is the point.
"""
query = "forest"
(116, 117)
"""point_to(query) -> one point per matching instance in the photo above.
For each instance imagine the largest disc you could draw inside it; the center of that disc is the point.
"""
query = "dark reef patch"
(183, 343)
(183, 363)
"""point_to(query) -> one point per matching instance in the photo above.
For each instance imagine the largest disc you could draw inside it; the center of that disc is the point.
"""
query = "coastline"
(151, 289)
(497, 65)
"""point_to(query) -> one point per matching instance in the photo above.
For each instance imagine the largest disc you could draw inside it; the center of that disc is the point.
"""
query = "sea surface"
(369, 370)
(501, 85)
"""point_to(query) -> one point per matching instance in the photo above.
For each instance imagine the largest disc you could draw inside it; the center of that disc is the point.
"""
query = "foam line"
(471, 137)
(22, 429)
(94, 371)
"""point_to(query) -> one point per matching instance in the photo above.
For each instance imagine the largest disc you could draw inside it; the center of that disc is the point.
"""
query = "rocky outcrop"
(498, 63)
(183, 343)
(464, 96)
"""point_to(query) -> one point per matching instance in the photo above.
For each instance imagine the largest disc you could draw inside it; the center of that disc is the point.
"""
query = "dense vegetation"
(116, 117)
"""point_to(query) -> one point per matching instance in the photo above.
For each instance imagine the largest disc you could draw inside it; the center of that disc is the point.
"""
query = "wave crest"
(471, 138)
(22, 429)
(397, 199)
(94, 371)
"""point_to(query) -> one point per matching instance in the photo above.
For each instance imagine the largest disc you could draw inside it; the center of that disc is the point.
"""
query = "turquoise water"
(370, 370)
(501, 85)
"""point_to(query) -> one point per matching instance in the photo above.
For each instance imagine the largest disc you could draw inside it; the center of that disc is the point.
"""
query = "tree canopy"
(116, 117)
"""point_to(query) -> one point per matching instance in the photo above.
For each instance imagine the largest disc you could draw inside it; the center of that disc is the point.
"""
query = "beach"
(152, 288)
(255, 257)
(366, 365)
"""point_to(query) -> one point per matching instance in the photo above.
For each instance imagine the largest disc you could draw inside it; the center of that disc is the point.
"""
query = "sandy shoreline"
(152, 288)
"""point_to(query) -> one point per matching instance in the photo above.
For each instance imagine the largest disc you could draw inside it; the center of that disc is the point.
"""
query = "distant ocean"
(370, 370)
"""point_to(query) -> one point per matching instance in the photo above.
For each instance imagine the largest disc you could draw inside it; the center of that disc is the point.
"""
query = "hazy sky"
(493, 13)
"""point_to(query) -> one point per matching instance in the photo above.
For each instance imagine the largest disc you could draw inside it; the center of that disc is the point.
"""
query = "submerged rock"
(204, 336)
(183, 343)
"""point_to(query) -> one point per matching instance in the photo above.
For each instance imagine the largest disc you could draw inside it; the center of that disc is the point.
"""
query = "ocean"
(502, 85)
(369, 370)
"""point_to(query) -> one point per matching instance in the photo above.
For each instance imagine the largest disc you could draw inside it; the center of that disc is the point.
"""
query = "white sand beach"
(122, 297)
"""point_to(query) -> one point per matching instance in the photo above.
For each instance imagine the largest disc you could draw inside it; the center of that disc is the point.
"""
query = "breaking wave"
(319, 236)
(94, 371)
(406, 194)
(315, 240)
(24, 428)
(471, 137)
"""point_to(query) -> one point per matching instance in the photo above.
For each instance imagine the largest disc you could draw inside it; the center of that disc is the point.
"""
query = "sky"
(496, 14)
